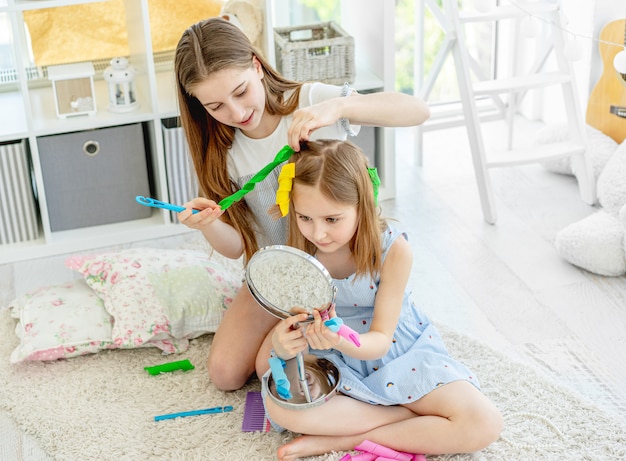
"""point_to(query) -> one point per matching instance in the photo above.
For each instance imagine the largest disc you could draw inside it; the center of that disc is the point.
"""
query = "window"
(481, 39)
(7, 61)
(58, 34)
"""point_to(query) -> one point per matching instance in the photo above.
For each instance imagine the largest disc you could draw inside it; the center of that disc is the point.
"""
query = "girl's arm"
(387, 108)
(221, 236)
(376, 342)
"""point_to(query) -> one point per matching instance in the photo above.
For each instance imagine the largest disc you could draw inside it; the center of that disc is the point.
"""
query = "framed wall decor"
(73, 89)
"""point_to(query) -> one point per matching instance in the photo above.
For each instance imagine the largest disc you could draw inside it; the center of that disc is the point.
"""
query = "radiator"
(18, 211)
(181, 178)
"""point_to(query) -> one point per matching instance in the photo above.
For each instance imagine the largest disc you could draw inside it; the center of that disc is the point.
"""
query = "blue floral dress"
(417, 361)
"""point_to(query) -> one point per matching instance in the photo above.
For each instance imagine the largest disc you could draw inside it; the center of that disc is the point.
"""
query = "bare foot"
(310, 445)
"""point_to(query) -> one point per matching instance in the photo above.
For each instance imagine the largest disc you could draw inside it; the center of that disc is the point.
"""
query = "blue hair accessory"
(147, 201)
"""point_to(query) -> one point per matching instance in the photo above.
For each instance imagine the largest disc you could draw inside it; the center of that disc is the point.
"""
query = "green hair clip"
(373, 172)
(280, 157)
(184, 365)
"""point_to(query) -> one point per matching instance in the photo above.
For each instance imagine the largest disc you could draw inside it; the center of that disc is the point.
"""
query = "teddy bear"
(248, 16)
(597, 243)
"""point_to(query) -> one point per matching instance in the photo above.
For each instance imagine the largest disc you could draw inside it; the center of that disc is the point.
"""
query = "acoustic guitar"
(606, 109)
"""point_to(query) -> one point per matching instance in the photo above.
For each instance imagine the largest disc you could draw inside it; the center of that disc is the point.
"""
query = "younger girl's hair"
(205, 48)
(339, 170)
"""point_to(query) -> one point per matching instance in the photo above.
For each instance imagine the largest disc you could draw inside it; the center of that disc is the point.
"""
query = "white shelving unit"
(27, 113)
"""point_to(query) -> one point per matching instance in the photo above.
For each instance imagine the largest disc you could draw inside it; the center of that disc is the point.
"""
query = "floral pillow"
(60, 321)
(161, 297)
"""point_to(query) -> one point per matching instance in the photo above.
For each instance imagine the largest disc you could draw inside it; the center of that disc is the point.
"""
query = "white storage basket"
(321, 52)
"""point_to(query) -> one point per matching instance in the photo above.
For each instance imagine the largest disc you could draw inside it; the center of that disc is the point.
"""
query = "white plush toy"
(597, 243)
(248, 16)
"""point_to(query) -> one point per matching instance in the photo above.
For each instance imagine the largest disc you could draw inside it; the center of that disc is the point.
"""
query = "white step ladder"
(473, 86)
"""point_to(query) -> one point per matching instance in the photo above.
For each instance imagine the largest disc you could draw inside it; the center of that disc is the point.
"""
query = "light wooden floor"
(505, 283)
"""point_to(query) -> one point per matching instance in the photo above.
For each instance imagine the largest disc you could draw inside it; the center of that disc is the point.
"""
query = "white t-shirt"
(247, 156)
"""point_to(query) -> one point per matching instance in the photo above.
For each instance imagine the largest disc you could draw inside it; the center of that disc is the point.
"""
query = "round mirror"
(321, 380)
(288, 281)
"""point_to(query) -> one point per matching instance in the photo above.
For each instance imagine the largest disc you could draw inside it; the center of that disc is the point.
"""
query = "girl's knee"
(494, 422)
(486, 425)
(225, 376)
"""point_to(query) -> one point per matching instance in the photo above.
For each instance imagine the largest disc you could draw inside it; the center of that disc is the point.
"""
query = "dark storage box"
(92, 177)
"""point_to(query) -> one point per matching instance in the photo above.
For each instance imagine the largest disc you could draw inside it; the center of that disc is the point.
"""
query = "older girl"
(237, 113)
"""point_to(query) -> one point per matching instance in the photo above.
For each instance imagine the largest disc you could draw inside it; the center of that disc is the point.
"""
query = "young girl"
(400, 388)
(237, 113)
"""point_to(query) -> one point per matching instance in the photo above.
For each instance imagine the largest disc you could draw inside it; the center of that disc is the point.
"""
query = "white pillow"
(612, 182)
(595, 243)
(161, 297)
(600, 148)
(60, 321)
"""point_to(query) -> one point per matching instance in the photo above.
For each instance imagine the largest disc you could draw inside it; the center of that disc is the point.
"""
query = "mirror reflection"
(287, 281)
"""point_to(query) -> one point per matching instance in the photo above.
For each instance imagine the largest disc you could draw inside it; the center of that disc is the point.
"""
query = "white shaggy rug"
(101, 407)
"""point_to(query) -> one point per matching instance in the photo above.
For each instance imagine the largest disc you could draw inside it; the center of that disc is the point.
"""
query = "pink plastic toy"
(370, 451)
(383, 453)
(364, 456)
(336, 325)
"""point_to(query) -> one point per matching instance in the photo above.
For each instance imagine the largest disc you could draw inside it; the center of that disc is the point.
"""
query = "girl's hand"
(287, 338)
(319, 336)
(308, 119)
(209, 213)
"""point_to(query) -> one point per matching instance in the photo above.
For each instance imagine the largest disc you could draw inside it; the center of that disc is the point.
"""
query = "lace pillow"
(60, 321)
(162, 297)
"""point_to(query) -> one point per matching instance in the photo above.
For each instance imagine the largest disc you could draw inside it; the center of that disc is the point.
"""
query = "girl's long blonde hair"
(339, 170)
(207, 47)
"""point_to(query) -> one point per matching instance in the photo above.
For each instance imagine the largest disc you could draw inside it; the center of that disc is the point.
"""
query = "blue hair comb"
(147, 201)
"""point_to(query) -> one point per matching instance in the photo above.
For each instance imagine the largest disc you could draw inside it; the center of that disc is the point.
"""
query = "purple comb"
(254, 419)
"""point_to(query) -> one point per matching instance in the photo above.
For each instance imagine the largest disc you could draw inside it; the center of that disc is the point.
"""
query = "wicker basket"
(317, 52)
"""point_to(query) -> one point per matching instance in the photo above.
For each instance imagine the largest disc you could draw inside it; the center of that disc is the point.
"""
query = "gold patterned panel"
(94, 31)
(169, 19)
